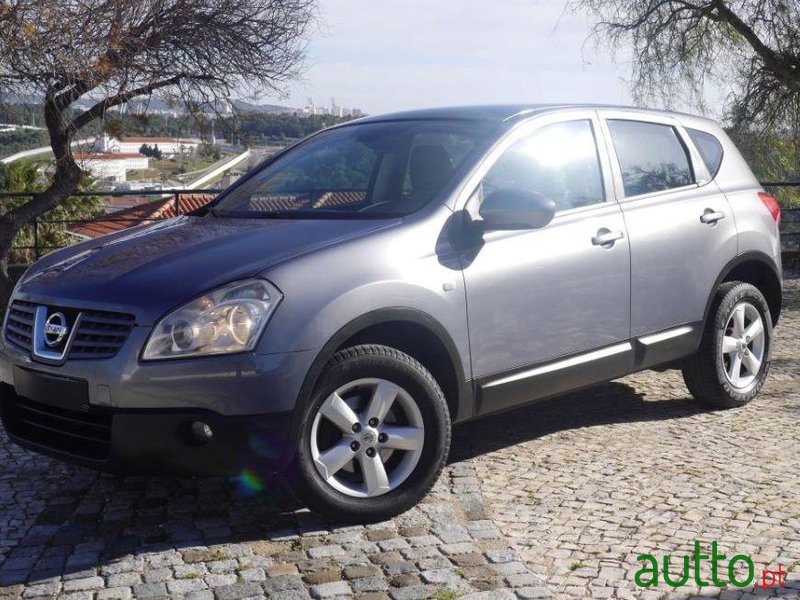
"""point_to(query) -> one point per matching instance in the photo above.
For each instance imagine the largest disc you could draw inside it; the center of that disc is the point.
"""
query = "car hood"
(154, 268)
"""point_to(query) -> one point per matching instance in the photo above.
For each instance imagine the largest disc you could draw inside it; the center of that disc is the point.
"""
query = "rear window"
(710, 149)
(651, 157)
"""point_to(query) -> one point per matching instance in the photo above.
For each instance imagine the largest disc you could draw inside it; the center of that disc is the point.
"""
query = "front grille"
(19, 326)
(100, 334)
(83, 434)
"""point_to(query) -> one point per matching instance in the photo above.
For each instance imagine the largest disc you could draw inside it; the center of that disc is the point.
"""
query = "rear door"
(681, 229)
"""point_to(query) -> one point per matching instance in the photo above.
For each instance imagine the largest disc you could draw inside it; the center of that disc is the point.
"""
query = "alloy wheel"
(743, 345)
(367, 437)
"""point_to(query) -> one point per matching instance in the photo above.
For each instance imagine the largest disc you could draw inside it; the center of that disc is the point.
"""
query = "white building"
(131, 145)
(110, 167)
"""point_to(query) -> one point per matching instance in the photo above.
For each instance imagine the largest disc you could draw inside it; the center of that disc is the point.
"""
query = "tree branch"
(777, 62)
(99, 109)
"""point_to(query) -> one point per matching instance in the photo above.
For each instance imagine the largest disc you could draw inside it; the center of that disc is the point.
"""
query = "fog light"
(202, 432)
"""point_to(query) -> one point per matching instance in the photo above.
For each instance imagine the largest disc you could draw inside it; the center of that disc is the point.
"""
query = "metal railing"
(790, 219)
(109, 217)
(790, 229)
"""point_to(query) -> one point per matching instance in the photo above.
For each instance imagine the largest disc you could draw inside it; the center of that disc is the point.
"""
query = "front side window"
(369, 170)
(651, 157)
(559, 161)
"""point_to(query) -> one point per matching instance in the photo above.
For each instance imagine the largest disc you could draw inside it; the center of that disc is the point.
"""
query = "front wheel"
(374, 437)
(732, 363)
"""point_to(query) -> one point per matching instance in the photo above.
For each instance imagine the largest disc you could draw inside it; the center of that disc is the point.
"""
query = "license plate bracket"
(52, 390)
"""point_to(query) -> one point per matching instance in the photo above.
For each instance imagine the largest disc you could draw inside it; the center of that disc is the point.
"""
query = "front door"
(549, 309)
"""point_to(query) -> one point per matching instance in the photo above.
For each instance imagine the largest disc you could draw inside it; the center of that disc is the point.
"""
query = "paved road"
(583, 484)
(553, 500)
(42, 150)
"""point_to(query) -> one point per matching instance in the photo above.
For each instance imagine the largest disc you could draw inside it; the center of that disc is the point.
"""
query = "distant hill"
(155, 105)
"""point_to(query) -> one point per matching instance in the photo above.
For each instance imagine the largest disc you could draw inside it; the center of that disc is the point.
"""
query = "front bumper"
(124, 416)
(147, 441)
(231, 384)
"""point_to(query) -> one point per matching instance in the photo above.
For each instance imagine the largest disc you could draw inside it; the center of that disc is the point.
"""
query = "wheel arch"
(757, 269)
(411, 331)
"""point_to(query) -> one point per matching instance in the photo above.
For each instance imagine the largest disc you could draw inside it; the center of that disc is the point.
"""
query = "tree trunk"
(65, 183)
(6, 239)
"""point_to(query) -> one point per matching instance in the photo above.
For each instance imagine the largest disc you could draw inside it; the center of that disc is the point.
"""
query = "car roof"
(498, 113)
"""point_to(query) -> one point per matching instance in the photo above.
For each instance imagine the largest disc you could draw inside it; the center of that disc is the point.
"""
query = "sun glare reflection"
(249, 482)
(558, 146)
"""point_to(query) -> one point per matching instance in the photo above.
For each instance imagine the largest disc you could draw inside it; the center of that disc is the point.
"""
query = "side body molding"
(529, 384)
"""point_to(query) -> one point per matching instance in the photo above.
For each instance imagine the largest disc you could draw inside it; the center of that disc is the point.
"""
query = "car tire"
(732, 363)
(373, 438)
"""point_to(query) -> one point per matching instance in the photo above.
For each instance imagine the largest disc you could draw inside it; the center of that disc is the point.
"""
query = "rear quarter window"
(710, 149)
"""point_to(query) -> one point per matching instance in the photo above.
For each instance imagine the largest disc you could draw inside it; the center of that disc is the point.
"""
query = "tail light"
(772, 206)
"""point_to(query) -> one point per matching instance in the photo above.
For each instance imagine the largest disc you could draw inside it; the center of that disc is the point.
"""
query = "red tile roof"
(148, 212)
(291, 201)
(157, 210)
(339, 198)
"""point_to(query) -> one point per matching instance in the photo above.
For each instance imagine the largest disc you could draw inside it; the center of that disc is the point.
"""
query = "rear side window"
(651, 156)
(709, 148)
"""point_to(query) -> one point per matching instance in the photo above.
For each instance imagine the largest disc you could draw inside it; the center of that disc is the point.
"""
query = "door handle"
(711, 216)
(606, 237)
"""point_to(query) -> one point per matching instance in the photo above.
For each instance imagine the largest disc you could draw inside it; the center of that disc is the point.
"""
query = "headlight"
(228, 319)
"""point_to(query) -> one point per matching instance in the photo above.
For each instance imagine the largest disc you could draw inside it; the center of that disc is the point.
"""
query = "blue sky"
(383, 56)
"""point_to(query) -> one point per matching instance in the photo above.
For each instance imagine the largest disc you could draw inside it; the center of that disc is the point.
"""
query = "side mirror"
(512, 208)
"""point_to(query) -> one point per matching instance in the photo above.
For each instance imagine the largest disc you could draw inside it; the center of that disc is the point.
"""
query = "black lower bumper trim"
(148, 442)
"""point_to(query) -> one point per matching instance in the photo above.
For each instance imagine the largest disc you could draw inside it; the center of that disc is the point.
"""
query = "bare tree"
(750, 47)
(112, 51)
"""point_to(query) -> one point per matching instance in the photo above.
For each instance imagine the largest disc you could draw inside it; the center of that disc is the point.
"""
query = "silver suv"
(329, 317)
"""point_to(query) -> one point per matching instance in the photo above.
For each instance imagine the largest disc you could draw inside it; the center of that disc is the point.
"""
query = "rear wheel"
(374, 437)
(732, 363)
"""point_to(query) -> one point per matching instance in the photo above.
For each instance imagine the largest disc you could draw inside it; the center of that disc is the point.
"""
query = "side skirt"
(528, 384)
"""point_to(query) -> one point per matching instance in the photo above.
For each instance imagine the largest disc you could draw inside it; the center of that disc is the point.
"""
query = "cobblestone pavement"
(71, 533)
(583, 484)
(571, 491)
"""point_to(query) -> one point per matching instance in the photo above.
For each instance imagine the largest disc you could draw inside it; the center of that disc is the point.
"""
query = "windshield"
(371, 170)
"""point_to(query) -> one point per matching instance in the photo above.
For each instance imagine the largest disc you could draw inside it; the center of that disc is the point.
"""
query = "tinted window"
(359, 171)
(709, 148)
(651, 157)
(559, 161)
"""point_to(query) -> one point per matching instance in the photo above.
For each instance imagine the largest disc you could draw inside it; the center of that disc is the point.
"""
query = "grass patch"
(143, 175)
(243, 566)
(533, 499)
(216, 555)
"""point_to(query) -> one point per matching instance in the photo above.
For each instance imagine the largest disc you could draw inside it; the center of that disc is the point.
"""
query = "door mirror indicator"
(511, 208)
